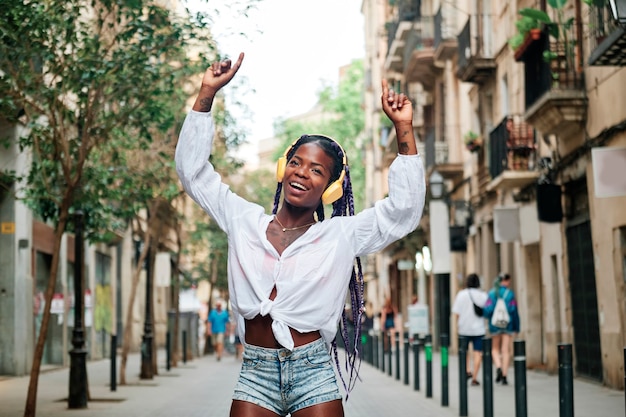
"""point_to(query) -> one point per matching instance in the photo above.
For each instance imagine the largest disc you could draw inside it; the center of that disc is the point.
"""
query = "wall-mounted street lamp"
(439, 218)
(436, 184)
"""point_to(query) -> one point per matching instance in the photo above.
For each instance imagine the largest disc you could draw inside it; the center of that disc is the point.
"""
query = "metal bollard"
(184, 346)
(375, 347)
(389, 355)
(519, 360)
(462, 376)
(113, 362)
(444, 370)
(428, 350)
(487, 378)
(383, 351)
(168, 350)
(566, 381)
(397, 356)
(406, 358)
(416, 362)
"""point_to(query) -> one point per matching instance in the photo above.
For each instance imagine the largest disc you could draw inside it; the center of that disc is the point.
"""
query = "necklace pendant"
(284, 230)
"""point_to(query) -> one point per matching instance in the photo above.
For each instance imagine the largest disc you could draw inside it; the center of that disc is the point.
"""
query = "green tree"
(79, 75)
(345, 123)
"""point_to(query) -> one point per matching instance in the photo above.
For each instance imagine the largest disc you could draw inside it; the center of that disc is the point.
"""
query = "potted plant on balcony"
(528, 31)
(473, 141)
(559, 30)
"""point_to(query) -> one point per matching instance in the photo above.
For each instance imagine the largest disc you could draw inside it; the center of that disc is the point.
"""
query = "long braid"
(344, 206)
(279, 188)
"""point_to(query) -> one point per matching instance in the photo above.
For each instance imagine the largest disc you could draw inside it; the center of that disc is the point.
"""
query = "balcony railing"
(556, 100)
(444, 24)
(475, 51)
(418, 57)
(512, 146)
(445, 32)
(607, 38)
(420, 38)
(436, 151)
(557, 73)
(408, 11)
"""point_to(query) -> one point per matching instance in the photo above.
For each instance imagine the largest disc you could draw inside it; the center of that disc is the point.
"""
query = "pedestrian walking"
(290, 271)
(503, 317)
(216, 324)
(388, 315)
(468, 310)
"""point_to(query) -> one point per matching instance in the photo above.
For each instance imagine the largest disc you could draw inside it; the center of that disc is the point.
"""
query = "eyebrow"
(317, 164)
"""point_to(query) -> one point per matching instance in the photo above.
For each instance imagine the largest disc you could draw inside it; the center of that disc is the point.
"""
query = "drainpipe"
(579, 37)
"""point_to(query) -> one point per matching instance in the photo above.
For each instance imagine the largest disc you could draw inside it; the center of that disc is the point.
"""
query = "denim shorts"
(285, 381)
(476, 341)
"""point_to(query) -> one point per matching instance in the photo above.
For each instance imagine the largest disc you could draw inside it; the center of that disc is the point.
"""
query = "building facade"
(528, 134)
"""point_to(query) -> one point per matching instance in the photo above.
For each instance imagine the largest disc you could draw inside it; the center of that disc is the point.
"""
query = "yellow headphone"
(335, 190)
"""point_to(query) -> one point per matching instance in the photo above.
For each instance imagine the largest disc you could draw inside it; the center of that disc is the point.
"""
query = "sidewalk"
(202, 387)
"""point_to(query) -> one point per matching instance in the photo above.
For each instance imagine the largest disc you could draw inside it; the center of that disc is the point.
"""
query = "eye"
(317, 171)
(293, 162)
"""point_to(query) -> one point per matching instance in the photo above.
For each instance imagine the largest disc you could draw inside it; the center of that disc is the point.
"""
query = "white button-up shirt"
(312, 274)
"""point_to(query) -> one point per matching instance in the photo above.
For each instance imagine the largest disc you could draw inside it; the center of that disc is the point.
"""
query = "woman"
(289, 272)
(501, 338)
(388, 318)
(471, 326)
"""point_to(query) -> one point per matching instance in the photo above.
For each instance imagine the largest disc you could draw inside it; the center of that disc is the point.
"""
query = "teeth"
(297, 185)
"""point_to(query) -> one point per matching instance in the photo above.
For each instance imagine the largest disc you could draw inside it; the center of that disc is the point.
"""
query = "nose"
(301, 171)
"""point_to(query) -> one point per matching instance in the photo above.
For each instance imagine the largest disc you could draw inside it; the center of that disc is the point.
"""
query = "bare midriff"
(259, 333)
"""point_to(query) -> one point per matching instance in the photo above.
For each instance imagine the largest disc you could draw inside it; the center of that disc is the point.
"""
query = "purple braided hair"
(344, 206)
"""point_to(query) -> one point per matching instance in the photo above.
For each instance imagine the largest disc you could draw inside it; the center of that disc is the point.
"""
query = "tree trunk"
(31, 397)
(128, 325)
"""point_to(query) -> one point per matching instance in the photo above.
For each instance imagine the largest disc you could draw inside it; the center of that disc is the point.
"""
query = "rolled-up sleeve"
(397, 215)
(196, 173)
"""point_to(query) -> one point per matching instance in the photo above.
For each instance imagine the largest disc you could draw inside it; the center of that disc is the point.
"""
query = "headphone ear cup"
(333, 192)
(280, 168)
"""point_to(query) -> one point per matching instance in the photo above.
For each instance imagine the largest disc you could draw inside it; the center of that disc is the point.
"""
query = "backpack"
(500, 317)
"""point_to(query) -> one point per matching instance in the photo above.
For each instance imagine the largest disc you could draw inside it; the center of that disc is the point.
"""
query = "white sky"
(290, 47)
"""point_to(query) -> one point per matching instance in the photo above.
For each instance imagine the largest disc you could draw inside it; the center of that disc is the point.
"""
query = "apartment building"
(528, 139)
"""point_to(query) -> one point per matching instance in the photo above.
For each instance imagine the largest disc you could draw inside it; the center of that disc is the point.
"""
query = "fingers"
(390, 98)
(226, 66)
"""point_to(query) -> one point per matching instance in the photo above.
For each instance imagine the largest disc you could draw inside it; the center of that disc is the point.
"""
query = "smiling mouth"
(298, 186)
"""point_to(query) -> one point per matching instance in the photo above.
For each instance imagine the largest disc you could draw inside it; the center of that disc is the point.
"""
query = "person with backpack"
(468, 309)
(503, 318)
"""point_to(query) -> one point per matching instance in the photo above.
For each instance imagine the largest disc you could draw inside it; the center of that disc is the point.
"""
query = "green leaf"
(557, 4)
(536, 14)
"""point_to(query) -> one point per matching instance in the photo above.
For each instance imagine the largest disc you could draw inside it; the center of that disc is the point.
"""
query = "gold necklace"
(289, 229)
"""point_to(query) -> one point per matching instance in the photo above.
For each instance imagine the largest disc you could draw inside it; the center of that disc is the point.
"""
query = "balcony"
(608, 39)
(397, 32)
(512, 154)
(476, 59)
(556, 102)
(419, 54)
(437, 157)
(445, 32)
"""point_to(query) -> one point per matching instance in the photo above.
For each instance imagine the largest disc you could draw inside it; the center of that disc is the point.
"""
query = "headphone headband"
(334, 191)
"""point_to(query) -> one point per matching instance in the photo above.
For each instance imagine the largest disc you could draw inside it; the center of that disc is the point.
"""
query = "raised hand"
(399, 109)
(396, 106)
(220, 73)
(216, 76)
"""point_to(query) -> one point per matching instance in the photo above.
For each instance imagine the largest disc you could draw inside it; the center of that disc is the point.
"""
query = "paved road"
(202, 387)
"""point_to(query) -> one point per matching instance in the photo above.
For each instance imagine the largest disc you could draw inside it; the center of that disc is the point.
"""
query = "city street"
(202, 387)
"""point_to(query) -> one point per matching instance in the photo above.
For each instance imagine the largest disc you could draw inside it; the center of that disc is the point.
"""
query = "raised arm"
(216, 76)
(399, 109)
